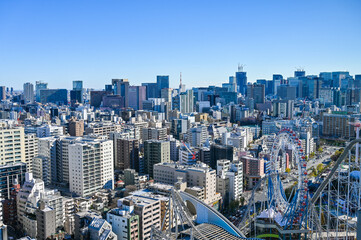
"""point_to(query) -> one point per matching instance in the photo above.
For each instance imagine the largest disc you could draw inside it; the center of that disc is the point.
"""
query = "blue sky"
(94, 41)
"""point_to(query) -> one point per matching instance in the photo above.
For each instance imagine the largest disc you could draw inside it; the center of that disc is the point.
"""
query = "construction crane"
(193, 154)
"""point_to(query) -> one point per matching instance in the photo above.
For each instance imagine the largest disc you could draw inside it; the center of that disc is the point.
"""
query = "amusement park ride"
(324, 208)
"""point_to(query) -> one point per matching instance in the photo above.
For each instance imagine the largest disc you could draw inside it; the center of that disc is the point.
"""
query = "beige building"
(76, 128)
(12, 144)
(337, 125)
(149, 211)
(201, 179)
(102, 128)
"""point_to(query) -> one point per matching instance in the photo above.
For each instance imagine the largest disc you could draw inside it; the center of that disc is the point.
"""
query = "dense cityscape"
(264, 159)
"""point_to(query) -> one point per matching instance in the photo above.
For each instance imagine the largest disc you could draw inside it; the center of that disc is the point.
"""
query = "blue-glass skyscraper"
(241, 78)
(162, 82)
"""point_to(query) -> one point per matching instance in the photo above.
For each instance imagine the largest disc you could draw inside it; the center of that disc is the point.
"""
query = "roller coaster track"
(340, 159)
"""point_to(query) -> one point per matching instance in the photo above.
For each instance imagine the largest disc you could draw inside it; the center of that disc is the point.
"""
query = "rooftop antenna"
(240, 67)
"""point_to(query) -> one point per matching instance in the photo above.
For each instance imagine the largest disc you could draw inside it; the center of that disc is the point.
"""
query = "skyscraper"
(241, 79)
(28, 92)
(91, 166)
(257, 92)
(137, 94)
(162, 82)
(2, 93)
(151, 90)
(121, 87)
(38, 86)
(76, 95)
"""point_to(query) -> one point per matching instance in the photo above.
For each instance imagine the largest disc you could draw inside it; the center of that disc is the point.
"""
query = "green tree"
(319, 168)
(320, 149)
(288, 170)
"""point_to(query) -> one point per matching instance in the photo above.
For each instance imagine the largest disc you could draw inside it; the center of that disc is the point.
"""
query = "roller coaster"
(326, 212)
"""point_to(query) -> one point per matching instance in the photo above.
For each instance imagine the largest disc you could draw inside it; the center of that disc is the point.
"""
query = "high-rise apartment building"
(155, 151)
(76, 128)
(230, 180)
(12, 144)
(154, 133)
(127, 153)
(31, 150)
(90, 166)
(197, 136)
(337, 125)
(10, 174)
(28, 92)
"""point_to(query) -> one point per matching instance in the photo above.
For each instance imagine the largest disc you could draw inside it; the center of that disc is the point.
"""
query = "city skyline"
(61, 42)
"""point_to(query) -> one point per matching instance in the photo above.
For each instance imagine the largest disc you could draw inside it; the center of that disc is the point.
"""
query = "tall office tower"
(28, 92)
(256, 92)
(338, 77)
(300, 73)
(162, 82)
(91, 166)
(276, 80)
(13, 144)
(45, 217)
(186, 102)
(241, 79)
(2, 93)
(166, 93)
(57, 96)
(39, 86)
(137, 94)
(196, 136)
(127, 154)
(151, 89)
(358, 81)
(10, 174)
(76, 128)
(76, 95)
(31, 150)
(121, 87)
(155, 151)
(287, 92)
(219, 152)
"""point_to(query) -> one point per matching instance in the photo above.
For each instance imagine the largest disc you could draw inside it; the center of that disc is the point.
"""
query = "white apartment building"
(90, 166)
(230, 179)
(31, 150)
(196, 136)
(125, 224)
(49, 131)
(12, 144)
